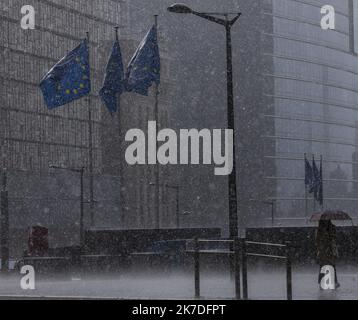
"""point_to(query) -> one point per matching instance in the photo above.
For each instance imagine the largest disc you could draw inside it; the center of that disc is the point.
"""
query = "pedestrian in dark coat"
(326, 247)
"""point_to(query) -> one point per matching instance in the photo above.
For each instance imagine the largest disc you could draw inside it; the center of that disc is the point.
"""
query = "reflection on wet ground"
(264, 282)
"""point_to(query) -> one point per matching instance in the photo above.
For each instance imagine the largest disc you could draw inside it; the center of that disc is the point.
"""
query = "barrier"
(233, 253)
(286, 256)
(238, 253)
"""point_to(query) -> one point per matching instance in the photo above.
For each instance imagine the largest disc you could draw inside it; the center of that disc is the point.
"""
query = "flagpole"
(157, 176)
(314, 198)
(90, 148)
(321, 174)
(120, 168)
(306, 193)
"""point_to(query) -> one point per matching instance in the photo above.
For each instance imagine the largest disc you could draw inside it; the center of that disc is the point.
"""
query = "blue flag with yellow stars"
(144, 68)
(113, 82)
(69, 79)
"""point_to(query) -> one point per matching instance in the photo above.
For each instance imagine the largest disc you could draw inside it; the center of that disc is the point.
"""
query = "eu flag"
(308, 173)
(316, 180)
(144, 67)
(69, 79)
(113, 82)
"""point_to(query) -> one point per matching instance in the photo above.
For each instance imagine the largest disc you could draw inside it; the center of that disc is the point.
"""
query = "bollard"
(237, 268)
(244, 269)
(196, 268)
(288, 271)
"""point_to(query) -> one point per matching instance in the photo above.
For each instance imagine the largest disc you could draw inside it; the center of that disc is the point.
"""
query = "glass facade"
(32, 136)
(315, 105)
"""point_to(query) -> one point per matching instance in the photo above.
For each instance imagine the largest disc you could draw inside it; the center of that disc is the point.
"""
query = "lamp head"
(179, 8)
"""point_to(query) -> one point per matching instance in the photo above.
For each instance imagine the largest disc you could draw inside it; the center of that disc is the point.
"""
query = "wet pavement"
(264, 282)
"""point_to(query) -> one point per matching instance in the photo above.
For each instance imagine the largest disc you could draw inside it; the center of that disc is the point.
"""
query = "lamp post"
(228, 24)
(176, 188)
(272, 204)
(81, 172)
(4, 224)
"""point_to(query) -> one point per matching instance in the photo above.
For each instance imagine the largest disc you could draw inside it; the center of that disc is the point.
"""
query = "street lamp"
(81, 172)
(176, 188)
(228, 24)
(179, 8)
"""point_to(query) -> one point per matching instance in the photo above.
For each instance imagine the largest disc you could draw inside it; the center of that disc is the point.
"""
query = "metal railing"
(233, 252)
(238, 254)
(283, 254)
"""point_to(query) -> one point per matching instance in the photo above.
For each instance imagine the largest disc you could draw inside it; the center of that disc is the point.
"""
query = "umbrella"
(330, 215)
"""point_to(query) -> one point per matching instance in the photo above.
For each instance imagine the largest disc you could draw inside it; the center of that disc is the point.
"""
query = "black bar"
(288, 271)
(196, 268)
(4, 232)
(244, 269)
(237, 268)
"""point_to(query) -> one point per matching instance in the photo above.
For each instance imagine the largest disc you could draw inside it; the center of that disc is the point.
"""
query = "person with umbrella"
(326, 241)
(326, 247)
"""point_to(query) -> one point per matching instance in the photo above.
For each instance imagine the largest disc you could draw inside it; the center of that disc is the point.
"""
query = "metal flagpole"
(321, 187)
(120, 166)
(306, 201)
(306, 191)
(5, 231)
(4, 197)
(90, 150)
(4, 112)
(157, 173)
(314, 198)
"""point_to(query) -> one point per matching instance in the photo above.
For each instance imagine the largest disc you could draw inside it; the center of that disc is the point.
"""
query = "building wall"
(32, 137)
(315, 98)
(250, 63)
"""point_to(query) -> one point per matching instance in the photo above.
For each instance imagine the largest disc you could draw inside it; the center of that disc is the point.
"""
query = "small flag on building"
(113, 85)
(144, 67)
(308, 173)
(69, 79)
(315, 182)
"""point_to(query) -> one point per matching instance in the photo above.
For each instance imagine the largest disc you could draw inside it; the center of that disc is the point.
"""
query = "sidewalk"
(269, 285)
